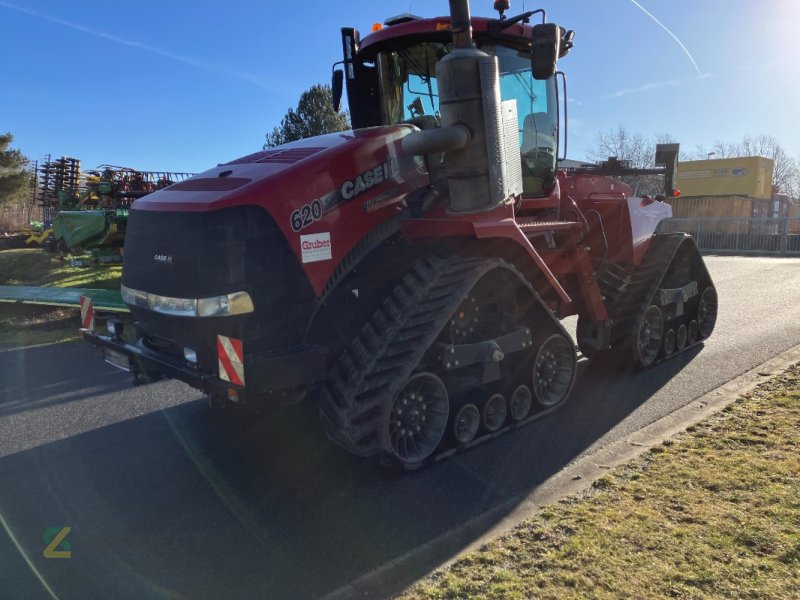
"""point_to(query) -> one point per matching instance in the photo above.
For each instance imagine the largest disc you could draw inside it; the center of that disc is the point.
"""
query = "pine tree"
(14, 179)
(314, 115)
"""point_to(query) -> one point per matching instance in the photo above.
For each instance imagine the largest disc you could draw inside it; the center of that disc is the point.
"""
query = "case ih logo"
(162, 258)
(315, 247)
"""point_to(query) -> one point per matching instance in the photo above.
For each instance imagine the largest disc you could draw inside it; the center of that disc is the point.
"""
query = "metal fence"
(739, 235)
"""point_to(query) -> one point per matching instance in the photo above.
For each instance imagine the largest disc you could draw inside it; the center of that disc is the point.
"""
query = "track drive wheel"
(418, 418)
(554, 370)
(649, 335)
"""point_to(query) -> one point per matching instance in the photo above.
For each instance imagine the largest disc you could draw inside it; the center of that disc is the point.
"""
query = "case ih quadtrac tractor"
(409, 276)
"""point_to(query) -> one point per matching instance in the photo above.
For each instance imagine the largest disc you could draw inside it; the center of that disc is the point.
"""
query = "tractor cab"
(391, 78)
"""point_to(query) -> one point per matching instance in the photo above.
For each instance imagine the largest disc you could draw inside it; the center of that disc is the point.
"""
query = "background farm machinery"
(89, 210)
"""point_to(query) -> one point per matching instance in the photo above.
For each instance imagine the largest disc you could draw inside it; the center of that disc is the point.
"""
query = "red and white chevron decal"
(231, 359)
(87, 313)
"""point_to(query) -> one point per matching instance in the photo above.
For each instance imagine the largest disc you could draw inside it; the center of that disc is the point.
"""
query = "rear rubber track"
(640, 291)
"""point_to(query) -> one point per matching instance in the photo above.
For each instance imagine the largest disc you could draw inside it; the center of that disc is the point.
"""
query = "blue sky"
(178, 85)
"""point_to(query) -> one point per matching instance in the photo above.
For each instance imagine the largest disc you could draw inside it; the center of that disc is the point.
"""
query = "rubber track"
(362, 386)
(641, 289)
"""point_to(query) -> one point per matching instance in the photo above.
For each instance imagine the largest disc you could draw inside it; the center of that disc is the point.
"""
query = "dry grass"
(22, 325)
(712, 513)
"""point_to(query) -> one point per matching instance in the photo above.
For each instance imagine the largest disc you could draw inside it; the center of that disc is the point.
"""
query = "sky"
(175, 85)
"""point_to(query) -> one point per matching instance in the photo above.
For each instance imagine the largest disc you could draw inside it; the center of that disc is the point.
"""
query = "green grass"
(712, 513)
(28, 325)
(35, 267)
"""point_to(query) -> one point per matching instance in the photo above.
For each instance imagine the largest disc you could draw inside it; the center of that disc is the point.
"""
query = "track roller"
(466, 423)
(521, 402)
(682, 337)
(669, 342)
(692, 332)
(494, 412)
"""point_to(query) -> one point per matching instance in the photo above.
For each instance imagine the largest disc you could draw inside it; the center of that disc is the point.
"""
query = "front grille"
(209, 254)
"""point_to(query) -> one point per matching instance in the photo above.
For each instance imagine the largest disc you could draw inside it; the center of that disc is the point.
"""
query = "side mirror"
(337, 84)
(545, 49)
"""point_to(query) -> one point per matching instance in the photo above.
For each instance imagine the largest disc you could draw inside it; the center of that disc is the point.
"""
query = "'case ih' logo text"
(366, 181)
(162, 258)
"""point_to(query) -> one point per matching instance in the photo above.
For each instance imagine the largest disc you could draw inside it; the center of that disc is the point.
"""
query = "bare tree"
(786, 173)
(636, 150)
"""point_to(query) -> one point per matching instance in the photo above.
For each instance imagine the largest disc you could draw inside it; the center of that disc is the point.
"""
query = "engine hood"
(308, 168)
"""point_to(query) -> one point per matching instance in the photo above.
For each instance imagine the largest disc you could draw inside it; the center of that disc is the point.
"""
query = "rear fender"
(645, 215)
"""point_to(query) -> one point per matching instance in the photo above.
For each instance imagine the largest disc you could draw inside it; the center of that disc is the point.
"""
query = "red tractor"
(409, 276)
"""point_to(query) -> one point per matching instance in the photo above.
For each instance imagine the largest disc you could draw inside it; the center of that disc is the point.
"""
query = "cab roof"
(437, 29)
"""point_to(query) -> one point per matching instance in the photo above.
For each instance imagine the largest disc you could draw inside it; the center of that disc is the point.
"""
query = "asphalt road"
(166, 498)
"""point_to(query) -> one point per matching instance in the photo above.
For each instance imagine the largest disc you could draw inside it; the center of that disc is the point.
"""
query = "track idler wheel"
(707, 312)
(418, 418)
(553, 370)
(521, 402)
(494, 413)
(669, 342)
(649, 336)
(466, 423)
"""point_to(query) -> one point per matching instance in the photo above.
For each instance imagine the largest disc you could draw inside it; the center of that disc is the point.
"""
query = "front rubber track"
(360, 391)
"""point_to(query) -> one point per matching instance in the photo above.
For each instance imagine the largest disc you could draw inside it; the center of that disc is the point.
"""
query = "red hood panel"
(259, 169)
(325, 193)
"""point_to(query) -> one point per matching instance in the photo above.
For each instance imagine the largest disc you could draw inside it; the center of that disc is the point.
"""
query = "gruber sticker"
(316, 247)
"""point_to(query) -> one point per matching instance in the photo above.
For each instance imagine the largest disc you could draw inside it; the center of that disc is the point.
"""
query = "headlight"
(237, 303)
(131, 296)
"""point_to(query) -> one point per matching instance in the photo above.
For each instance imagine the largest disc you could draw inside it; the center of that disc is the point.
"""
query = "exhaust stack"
(479, 132)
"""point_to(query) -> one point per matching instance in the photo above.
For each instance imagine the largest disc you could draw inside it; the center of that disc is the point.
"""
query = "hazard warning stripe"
(231, 359)
(87, 313)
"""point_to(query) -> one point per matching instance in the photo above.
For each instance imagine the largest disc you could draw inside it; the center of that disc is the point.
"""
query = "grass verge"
(24, 325)
(29, 325)
(711, 513)
(35, 267)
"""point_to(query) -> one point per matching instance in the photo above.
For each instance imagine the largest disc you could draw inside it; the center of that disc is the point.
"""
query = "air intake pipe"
(479, 133)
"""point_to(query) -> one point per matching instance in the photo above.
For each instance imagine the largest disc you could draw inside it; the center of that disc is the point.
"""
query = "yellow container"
(719, 209)
(686, 207)
(743, 176)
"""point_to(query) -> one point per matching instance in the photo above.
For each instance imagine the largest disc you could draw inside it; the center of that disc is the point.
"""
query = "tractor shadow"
(205, 505)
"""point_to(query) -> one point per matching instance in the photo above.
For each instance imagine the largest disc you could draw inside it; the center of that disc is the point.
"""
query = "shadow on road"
(193, 503)
(47, 376)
